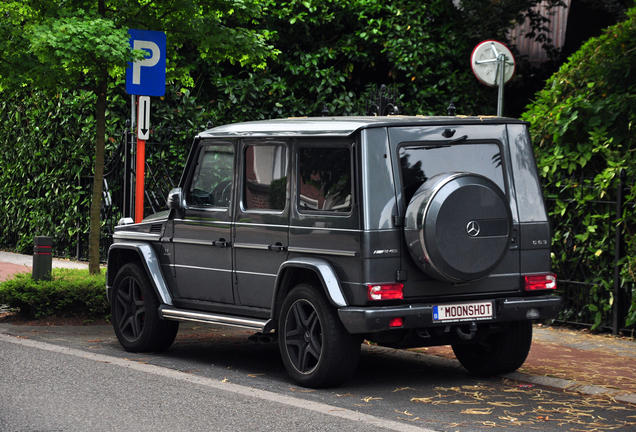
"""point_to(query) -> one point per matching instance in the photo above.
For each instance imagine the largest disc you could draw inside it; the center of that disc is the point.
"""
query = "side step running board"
(261, 325)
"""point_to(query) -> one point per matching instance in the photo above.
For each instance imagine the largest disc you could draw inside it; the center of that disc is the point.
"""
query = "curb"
(574, 386)
(557, 383)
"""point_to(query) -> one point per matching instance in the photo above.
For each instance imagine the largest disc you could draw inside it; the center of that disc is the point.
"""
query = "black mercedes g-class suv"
(323, 232)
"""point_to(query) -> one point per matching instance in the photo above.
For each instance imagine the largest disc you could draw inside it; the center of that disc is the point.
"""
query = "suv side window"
(265, 178)
(211, 184)
(325, 179)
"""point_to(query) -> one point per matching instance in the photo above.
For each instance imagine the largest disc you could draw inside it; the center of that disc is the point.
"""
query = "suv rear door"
(261, 236)
(423, 152)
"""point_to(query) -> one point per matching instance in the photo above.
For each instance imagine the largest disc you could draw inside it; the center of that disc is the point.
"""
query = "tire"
(317, 350)
(135, 313)
(500, 353)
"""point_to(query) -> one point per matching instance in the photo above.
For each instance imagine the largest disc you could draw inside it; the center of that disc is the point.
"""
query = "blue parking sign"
(147, 77)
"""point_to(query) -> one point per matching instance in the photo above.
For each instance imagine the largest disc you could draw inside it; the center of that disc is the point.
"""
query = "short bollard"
(42, 258)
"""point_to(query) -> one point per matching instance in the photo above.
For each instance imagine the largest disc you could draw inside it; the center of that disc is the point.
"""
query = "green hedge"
(584, 129)
(70, 293)
(46, 149)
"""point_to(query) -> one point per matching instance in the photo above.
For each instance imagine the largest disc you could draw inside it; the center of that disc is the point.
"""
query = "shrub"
(583, 125)
(70, 293)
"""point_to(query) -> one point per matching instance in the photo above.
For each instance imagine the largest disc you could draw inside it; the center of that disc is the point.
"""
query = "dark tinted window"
(325, 179)
(420, 162)
(265, 178)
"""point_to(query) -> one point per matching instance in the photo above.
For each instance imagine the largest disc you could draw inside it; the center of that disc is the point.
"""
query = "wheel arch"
(306, 269)
(143, 255)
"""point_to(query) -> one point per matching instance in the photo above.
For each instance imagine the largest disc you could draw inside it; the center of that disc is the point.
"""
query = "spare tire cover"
(458, 227)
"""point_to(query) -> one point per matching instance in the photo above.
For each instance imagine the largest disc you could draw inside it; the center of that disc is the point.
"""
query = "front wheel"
(317, 350)
(499, 353)
(135, 313)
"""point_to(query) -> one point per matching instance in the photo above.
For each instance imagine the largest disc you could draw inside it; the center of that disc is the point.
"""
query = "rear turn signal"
(385, 291)
(540, 282)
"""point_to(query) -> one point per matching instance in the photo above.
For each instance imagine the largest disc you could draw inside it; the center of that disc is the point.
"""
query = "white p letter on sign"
(149, 62)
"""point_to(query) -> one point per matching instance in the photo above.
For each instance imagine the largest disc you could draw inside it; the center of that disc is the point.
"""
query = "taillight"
(540, 282)
(385, 291)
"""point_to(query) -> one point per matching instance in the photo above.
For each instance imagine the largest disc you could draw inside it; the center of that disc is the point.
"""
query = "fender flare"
(325, 272)
(151, 264)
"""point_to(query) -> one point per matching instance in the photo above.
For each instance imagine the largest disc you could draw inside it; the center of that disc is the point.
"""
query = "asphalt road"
(79, 378)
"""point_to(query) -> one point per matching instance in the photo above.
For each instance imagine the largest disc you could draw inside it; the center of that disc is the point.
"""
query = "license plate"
(463, 312)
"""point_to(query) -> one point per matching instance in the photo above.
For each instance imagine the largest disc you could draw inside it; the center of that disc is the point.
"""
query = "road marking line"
(269, 396)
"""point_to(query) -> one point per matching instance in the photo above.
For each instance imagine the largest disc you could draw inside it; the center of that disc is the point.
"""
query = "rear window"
(420, 162)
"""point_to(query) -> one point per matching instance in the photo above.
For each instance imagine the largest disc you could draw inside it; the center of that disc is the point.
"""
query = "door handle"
(221, 243)
(278, 247)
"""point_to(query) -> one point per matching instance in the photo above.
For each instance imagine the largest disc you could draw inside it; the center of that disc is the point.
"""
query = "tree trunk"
(98, 181)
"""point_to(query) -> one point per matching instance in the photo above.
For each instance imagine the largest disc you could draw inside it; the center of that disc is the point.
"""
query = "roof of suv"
(336, 126)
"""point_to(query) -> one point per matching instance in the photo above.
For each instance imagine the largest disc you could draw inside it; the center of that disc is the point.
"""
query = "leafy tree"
(53, 44)
(329, 53)
(332, 53)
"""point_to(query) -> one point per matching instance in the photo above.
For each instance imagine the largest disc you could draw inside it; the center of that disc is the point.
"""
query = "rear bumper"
(376, 319)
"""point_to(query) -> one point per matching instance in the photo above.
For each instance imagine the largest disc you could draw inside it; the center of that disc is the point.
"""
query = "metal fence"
(589, 280)
(166, 152)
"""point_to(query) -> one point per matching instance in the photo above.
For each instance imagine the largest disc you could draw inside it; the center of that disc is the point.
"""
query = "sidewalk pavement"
(562, 358)
(11, 263)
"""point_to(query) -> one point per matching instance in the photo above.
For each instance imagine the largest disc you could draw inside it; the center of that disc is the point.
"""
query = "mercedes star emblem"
(473, 228)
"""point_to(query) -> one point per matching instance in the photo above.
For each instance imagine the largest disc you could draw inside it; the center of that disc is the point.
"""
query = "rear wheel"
(499, 353)
(135, 313)
(316, 348)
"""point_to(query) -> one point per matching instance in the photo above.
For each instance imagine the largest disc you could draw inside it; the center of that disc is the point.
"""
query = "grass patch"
(69, 293)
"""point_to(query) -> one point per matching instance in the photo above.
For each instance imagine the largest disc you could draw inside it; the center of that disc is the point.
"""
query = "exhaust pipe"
(264, 339)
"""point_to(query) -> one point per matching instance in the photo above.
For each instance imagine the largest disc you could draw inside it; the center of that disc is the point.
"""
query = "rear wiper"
(445, 144)
(431, 147)
(458, 139)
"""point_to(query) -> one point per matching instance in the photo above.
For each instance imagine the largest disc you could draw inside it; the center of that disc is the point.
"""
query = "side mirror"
(175, 198)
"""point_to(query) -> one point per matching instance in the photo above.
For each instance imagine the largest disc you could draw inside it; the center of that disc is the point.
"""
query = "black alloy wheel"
(316, 349)
(131, 309)
(135, 313)
(303, 336)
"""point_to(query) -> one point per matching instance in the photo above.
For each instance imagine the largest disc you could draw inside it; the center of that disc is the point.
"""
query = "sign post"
(145, 78)
(494, 65)
(143, 132)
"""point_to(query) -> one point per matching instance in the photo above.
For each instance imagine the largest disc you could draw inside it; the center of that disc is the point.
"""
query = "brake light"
(540, 282)
(385, 291)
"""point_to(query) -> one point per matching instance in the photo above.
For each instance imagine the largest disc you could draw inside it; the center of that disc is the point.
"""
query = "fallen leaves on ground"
(506, 407)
